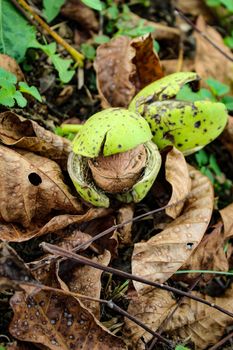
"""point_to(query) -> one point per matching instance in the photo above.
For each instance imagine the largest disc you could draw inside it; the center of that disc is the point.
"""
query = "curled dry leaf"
(227, 218)
(85, 280)
(201, 324)
(59, 321)
(83, 15)
(23, 133)
(209, 62)
(31, 187)
(177, 174)
(15, 233)
(162, 255)
(227, 136)
(150, 308)
(209, 255)
(8, 63)
(123, 67)
(125, 213)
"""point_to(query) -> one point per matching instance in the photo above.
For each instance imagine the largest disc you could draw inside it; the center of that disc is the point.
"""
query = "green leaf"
(63, 68)
(88, 51)
(181, 347)
(156, 46)
(186, 94)
(21, 101)
(15, 32)
(228, 101)
(228, 40)
(101, 39)
(31, 90)
(2, 348)
(112, 12)
(217, 87)
(94, 4)
(52, 8)
(7, 77)
(214, 165)
(213, 3)
(228, 4)
(207, 172)
(202, 158)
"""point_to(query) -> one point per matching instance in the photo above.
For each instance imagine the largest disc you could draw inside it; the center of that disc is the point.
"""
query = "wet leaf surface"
(162, 255)
(124, 66)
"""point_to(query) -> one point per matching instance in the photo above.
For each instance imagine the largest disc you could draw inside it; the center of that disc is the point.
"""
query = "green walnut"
(188, 126)
(113, 156)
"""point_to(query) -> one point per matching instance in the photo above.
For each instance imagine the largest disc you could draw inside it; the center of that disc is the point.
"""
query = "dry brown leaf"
(162, 255)
(124, 66)
(209, 62)
(23, 133)
(31, 187)
(8, 63)
(125, 213)
(227, 218)
(195, 8)
(177, 174)
(171, 66)
(150, 308)
(59, 321)
(15, 233)
(83, 15)
(227, 136)
(85, 280)
(209, 255)
(198, 322)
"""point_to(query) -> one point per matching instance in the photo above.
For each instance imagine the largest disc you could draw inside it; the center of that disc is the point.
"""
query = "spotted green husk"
(111, 131)
(189, 126)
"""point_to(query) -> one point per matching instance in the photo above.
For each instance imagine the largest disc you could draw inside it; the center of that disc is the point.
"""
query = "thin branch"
(222, 341)
(86, 244)
(77, 56)
(182, 15)
(85, 261)
(168, 318)
(108, 303)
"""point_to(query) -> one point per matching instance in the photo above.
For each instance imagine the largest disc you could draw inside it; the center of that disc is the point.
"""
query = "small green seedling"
(103, 143)
(11, 92)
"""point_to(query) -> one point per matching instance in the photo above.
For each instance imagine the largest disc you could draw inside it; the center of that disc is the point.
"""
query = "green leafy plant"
(228, 4)
(181, 347)
(217, 92)
(228, 40)
(11, 92)
(52, 8)
(16, 36)
(95, 4)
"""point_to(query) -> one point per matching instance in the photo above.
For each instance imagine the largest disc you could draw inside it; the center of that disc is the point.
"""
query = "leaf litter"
(39, 203)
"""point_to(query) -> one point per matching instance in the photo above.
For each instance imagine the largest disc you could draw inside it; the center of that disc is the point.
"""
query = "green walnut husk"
(107, 133)
(188, 126)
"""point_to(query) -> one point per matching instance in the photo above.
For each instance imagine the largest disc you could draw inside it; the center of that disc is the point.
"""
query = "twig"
(108, 303)
(77, 56)
(182, 15)
(84, 245)
(85, 261)
(168, 318)
(222, 341)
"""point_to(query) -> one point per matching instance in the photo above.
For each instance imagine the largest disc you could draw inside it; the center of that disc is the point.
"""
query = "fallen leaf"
(15, 233)
(150, 308)
(162, 255)
(177, 174)
(27, 134)
(125, 213)
(83, 15)
(171, 66)
(209, 255)
(227, 218)
(8, 63)
(124, 66)
(195, 8)
(209, 62)
(85, 280)
(200, 323)
(227, 136)
(31, 187)
(59, 321)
